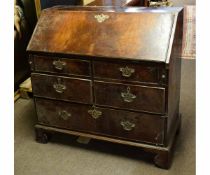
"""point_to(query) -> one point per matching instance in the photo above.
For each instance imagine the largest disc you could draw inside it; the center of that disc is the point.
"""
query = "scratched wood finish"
(147, 98)
(70, 67)
(148, 128)
(78, 90)
(113, 70)
(122, 35)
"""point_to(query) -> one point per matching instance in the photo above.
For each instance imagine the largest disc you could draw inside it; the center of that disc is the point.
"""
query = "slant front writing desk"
(109, 73)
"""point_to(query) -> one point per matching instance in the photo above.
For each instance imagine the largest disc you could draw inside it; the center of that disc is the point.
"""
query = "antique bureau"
(109, 73)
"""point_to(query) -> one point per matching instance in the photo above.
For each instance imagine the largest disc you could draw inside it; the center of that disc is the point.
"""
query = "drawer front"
(63, 114)
(102, 121)
(131, 125)
(58, 87)
(140, 98)
(62, 66)
(126, 71)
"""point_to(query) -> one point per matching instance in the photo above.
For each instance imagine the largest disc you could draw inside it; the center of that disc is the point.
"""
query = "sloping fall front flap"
(128, 33)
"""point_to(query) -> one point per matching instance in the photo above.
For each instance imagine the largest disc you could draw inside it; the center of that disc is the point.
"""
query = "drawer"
(63, 114)
(59, 87)
(62, 65)
(134, 126)
(134, 97)
(126, 71)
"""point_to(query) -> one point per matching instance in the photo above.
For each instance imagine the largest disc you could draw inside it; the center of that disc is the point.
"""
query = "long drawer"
(125, 96)
(62, 65)
(63, 88)
(135, 126)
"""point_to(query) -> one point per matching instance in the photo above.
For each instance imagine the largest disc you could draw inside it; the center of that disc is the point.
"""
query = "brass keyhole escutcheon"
(64, 115)
(95, 113)
(101, 18)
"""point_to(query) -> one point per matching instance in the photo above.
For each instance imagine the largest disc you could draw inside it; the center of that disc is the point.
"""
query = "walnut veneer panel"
(62, 65)
(127, 71)
(130, 35)
(148, 128)
(150, 99)
(60, 87)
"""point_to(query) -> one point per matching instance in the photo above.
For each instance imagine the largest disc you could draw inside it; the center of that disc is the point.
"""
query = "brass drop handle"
(128, 96)
(126, 71)
(64, 115)
(95, 113)
(127, 125)
(59, 87)
(59, 65)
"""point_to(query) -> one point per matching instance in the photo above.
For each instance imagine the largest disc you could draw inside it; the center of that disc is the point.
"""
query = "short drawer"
(134, 126)
(126, 71)
(64, 88)
(134, 97)
(62, 65)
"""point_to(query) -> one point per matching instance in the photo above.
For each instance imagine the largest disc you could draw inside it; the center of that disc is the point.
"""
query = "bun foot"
(42, 136)
(163, 159)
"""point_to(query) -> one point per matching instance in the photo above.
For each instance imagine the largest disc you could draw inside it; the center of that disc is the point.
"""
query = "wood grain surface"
(130, 35)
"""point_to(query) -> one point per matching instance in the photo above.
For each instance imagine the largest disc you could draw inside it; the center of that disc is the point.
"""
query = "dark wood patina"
(126, 96)
(109, 73)
(62, 66)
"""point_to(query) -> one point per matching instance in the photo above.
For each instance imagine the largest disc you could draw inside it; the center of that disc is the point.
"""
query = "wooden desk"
(105, 78)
